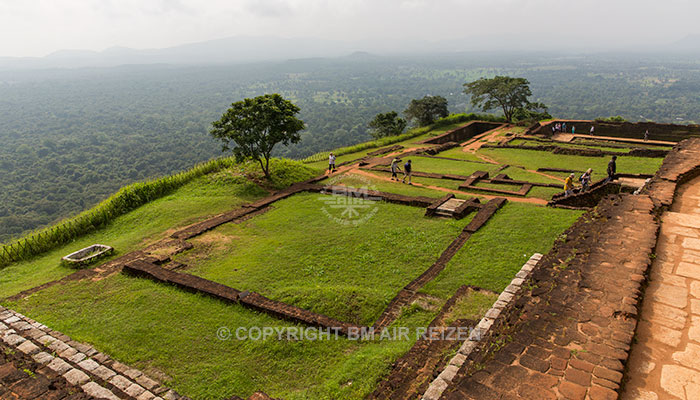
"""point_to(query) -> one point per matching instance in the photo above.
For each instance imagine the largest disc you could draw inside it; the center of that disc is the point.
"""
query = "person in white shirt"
(331, 163)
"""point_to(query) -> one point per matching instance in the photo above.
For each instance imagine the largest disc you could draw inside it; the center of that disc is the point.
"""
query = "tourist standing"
(592, 129)
(563, 127)
(331, 163)
(573, 129)
(407, 172)
(646, 135)
(612, 169)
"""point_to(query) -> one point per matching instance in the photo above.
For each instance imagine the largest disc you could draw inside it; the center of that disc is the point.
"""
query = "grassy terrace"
(203, 197)
(297, 252)
(539, 159)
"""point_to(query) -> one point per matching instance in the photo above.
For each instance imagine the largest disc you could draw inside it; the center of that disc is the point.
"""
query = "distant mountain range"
(241, 49)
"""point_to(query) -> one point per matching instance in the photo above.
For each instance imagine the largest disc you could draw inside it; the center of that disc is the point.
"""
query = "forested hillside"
(71, 137)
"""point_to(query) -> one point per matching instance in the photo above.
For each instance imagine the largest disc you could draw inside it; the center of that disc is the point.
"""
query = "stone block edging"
(82, 365)
(439, 384)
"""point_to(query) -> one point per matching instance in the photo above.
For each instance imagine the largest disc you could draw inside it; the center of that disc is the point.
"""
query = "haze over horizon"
(41, 27)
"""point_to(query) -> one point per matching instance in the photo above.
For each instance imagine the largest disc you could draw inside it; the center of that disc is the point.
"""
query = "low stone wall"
(632, 130)
(463, 133)
(249, 299)
(504, 302)
(431, 209)
(412, 373)
(385, 150)
(650, 153)
(588, 199)
(438, 149)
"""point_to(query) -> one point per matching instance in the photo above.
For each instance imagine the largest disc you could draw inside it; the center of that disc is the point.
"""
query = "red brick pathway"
(571, 336)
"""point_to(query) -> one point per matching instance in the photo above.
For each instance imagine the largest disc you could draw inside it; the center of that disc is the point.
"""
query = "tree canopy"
(387, 124)
(510, 94)
(256, 125)
(427, 110)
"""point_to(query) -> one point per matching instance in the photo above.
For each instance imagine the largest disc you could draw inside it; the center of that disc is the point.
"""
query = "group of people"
(407, 170)
(395, 169)
(560, 127)
(585, 178)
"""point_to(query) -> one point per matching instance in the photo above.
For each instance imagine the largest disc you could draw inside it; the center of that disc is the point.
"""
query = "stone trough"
(87, 255)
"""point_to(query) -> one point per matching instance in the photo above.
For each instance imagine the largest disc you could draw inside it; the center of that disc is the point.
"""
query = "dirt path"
(476, 142)
(665, 361)
(529, 200)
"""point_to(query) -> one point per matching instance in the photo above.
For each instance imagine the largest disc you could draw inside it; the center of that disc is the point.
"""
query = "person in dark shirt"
(612, 169)
(407, 172)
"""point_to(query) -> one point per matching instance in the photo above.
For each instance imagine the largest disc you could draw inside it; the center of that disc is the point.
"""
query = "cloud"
(269, 8)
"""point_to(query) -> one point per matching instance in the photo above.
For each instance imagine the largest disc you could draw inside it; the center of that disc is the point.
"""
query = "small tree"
(387, 124)
(510, 94)
(256, 126)
(427, 110)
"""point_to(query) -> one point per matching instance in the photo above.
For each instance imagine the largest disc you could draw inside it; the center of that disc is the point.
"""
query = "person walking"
(563, 127)
(612, 169)
(395, 168)
(586, 179)
(569, 185)
(407, 172)
(646, 135)
(331, 163)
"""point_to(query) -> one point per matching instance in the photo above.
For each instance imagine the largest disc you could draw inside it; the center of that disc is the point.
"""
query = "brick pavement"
(665, 361)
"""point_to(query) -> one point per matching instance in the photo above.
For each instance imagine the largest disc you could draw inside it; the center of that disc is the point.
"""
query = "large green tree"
(510, 94)
(256, 125)
(387, 124)
(427, 110)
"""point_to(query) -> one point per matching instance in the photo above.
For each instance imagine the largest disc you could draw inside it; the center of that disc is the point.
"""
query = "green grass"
(494, 254)
(299, 254)
(440, 166)
(169, 332)
(520, 174)
(540, 159)
(359, 181)
(459, 154)
(205, 196)
(473, 306)
(598, 146)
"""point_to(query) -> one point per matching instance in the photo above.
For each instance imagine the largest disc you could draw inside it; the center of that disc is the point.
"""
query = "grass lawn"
(494, 254)
(300, 254)
(531, 159)
(599, 146)
(440, 166)
(205, 196)
(520, 174)
(171, 334)
(459, 154)
(358, 181)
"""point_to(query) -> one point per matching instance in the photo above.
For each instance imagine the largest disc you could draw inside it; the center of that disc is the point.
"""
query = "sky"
(40, 27)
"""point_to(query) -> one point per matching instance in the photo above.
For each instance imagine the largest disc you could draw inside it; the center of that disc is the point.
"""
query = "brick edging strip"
(248, 299)
(80, 364)
(439, 384)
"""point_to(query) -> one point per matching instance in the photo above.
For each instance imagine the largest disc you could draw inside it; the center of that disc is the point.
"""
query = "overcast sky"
(39, 27)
